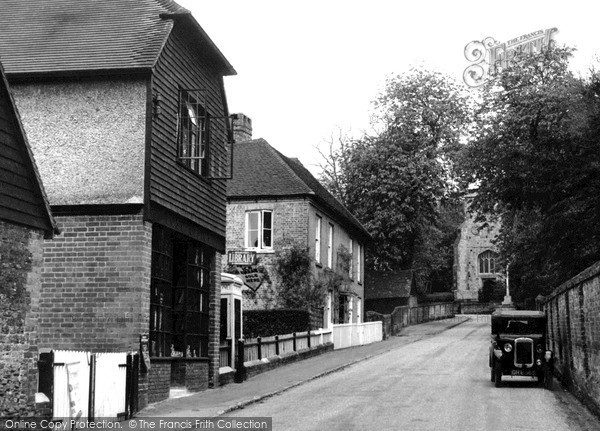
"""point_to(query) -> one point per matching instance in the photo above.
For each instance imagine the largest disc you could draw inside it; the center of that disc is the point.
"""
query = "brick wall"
(159, 380)
(214, 298)
(290, 223)
(95, 283)
(573, 311)
(20, 269)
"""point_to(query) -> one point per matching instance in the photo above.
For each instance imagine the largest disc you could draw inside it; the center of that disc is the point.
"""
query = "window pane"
(252, 239)
(253, 221)
(267, 238)
(267, 217)
(267, 228)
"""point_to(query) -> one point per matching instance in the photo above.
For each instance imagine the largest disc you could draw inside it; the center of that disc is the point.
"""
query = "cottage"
(125, 109)
(25, 220)
(387, 290)
(274, 201)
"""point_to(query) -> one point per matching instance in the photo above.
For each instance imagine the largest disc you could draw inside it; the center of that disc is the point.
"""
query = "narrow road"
(439, 383)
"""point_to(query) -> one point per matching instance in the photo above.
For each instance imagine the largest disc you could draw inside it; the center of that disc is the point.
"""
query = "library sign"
(243, 264)
(489, 56)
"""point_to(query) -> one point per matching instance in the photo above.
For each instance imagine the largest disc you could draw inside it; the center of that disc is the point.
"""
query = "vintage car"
(518, 348)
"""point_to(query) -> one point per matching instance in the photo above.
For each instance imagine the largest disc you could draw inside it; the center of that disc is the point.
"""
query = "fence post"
(308, 334)
(294, 341)
(259, 341)
(92, 388)
(277, 345)
(240, 369)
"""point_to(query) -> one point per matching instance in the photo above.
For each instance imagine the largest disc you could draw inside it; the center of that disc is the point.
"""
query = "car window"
(522, 326)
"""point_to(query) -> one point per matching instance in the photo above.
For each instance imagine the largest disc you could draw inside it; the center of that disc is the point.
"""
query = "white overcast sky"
(307, 68)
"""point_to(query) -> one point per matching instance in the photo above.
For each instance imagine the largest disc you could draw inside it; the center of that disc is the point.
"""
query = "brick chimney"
(242, 128)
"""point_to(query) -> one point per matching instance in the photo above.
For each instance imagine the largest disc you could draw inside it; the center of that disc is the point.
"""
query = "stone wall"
(20, 286)
(573, 311)
(474, 238)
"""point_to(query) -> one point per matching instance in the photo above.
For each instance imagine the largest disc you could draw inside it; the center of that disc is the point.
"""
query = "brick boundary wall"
(573, 311)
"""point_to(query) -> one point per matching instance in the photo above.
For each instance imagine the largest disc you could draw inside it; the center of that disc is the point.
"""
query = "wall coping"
(583, 276)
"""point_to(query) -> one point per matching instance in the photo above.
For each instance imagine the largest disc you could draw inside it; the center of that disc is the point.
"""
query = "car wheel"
(497, 374)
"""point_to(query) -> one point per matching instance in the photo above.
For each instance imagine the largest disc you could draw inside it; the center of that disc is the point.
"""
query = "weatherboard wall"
(183, 65)
(20, 199)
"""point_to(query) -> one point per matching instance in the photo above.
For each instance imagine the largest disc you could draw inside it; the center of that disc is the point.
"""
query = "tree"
(398, 180)
(536, 162)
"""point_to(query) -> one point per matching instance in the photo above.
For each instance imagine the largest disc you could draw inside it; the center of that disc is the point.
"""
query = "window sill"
(318, 265)
(260, 250)
(201, 177)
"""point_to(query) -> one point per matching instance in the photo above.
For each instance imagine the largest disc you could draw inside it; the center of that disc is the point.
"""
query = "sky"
(307, 70)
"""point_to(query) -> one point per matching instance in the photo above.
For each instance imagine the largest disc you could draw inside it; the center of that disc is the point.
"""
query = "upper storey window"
(193, 133)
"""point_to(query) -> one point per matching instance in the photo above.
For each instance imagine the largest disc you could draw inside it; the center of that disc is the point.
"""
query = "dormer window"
(193, 141)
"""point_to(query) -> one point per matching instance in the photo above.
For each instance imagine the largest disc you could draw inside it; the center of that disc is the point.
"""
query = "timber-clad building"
(25, 220)
(124, 106)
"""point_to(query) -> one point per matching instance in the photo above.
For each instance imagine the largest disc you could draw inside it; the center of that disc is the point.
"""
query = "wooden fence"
(356, 334)
(405, 316)
(268, 347)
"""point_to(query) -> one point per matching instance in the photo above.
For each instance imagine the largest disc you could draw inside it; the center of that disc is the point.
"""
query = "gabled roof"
(66, 37)
(389, 284)
(260, 171)
(22, 197)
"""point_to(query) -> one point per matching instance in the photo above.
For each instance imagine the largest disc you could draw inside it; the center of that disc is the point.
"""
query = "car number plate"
(521, 373)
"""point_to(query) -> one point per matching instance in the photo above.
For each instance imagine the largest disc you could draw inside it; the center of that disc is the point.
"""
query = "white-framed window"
(259, 229)
(358, 261)
(330, 247)
(318, 240)
(350, 263)
(193, 133)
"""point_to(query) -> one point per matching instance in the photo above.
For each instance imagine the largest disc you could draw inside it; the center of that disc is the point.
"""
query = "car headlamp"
(508, 347)
(539, 348)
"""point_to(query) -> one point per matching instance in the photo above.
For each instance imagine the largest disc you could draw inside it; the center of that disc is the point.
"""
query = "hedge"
(266, 323)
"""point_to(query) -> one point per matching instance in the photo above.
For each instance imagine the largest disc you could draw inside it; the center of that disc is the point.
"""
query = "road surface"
(439, 383)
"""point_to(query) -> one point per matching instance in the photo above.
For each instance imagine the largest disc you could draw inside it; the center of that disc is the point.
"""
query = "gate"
(90, 385)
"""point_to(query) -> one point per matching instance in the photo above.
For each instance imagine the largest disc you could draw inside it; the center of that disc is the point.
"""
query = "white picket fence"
(72, 384)
(356, 334)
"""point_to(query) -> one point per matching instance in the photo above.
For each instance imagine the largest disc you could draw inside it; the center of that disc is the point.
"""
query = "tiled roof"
(59, 36)
(390, 284)
(260, 171)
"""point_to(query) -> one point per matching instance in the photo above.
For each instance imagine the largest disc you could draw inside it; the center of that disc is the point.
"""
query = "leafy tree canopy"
(398, 180)
(535, 158)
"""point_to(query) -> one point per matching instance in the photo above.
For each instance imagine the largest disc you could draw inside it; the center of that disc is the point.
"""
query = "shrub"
(266, 323)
